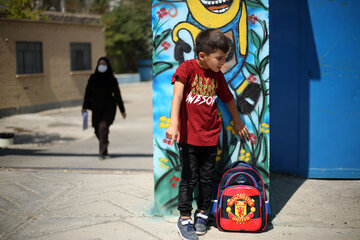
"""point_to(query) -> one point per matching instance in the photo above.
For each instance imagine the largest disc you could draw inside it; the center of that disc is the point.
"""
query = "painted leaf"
(263, 64)
(159, 67)
(256, 4)
(265, 31)
(265, 149)
(255, 39)
(251, 69)
(161, 37)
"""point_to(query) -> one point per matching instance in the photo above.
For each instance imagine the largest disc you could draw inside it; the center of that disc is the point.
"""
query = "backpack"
(241, 204)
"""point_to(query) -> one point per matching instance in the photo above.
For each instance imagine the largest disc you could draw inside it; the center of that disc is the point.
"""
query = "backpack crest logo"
(240, 215)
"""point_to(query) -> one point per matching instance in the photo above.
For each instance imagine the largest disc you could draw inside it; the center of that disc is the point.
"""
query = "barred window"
(29, 57)
(80, 56)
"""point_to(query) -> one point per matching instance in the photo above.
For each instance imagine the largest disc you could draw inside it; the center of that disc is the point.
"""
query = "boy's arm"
(173, 131)
(239, 126)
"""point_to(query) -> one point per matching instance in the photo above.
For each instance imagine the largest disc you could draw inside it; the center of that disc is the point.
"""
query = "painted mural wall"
(175, 27)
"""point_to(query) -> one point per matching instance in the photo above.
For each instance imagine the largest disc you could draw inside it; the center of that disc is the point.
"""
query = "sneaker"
(200, 223)
(186, 229)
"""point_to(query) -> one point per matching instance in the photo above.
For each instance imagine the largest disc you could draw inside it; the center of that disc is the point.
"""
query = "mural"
(175, 27)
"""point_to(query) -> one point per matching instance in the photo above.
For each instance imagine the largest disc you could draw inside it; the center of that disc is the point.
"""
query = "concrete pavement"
(52, 185)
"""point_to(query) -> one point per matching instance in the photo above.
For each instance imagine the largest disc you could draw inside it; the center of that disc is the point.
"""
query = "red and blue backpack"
(241, 204)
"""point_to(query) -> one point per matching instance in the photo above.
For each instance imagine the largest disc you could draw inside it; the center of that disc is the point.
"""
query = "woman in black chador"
(102, 94)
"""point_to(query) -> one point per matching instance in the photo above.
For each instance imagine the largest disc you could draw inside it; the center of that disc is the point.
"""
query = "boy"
(196, 126)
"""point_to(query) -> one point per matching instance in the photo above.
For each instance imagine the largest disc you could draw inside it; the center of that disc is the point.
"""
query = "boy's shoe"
(200, 223)
(186, 229)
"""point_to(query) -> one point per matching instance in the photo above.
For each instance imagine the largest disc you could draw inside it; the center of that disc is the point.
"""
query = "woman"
(102, 94)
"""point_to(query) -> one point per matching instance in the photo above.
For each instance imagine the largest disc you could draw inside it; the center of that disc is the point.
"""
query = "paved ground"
(52, 185)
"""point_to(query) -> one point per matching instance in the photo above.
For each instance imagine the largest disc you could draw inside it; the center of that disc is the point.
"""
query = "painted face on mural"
(217, 6)
(213, 61)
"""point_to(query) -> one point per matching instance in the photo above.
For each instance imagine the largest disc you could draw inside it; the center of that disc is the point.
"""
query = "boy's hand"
(239, 126)
(241, 129)
(173, 134)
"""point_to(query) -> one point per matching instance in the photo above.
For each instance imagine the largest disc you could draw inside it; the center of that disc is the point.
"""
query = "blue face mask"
(102, 68)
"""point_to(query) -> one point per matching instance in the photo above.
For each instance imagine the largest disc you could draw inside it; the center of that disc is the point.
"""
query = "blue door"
(315, 91)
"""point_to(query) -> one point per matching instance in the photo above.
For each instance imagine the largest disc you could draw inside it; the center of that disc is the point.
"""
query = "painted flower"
(244, 156)
(218, 155)
(251, 137)
(175, 179)
(165, 45)
(251, 78)
(230, 127)
(252, 18)
(264, 128)
(162, 13)
(167, 141)
(162, 163)
(164, 122)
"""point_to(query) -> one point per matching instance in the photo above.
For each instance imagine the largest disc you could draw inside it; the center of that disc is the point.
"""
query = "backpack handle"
(231, 177)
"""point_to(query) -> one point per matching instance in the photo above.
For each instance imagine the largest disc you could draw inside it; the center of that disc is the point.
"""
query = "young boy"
(196, 126)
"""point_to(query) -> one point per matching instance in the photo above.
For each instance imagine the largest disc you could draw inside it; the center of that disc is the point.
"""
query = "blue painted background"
(315, 91)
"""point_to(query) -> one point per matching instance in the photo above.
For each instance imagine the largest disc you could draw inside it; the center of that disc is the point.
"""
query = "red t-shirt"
(199, 124)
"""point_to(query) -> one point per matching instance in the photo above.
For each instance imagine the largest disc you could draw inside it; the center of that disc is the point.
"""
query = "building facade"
(46, 64)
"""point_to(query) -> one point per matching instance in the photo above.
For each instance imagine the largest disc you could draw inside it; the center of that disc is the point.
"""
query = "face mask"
(102, 68)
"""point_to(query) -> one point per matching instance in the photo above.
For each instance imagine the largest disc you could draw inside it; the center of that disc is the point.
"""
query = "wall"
(56, 85)
(175, 26)
(315, 86)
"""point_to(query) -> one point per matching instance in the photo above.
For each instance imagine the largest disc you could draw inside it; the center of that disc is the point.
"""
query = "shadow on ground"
(39, 152)
(39, 138)
(282, 187)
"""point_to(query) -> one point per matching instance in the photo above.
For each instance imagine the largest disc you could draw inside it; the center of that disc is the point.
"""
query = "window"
(28, 57)
(80, 56)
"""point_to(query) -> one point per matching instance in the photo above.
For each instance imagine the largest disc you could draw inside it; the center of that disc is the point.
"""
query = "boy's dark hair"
(208, 41)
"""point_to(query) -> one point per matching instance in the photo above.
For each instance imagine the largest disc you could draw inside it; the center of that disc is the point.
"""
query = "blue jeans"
(198, 165)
